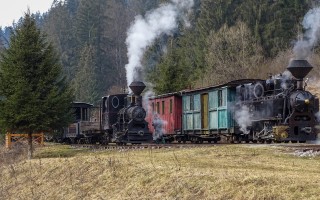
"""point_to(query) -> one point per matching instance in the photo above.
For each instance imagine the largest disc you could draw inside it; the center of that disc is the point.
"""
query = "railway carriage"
(86, 127)
(208, 113)
(164, 117)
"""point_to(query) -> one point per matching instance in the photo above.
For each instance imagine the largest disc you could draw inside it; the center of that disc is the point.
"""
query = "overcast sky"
(14, 9)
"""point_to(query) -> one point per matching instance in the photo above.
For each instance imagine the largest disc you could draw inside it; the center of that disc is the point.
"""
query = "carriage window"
(170, 105)
(191, 103)
(153, 107)
(186, 103)
(221, 98)
(86, 114)
(196, 102)
(77, 113)
(162, 107)
(158, 107)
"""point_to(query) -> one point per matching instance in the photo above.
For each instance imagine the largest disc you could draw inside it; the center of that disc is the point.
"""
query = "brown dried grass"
(219, 172)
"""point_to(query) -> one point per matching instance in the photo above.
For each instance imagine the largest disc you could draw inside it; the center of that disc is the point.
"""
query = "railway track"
(143, 146)
(298, 147)
(304, 147)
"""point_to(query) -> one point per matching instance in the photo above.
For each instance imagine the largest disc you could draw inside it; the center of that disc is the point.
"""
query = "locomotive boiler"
(280, 109)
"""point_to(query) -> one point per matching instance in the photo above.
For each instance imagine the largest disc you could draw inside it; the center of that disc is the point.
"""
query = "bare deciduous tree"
(232, 54)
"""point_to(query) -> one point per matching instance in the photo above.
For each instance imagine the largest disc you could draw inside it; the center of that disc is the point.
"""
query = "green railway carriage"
(207, 113)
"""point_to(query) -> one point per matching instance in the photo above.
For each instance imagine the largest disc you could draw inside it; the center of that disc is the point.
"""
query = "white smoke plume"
(144, 30)
(242, 117)
(159, 127)
(157, 123)
(145, 99)
(311, 23)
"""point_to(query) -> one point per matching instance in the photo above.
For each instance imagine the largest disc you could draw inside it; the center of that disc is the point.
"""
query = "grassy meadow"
(217, 172)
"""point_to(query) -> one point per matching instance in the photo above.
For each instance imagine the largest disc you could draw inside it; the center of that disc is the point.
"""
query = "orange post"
(8, 140)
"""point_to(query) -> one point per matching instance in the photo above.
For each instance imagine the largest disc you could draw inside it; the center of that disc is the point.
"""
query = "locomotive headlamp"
(306, 101)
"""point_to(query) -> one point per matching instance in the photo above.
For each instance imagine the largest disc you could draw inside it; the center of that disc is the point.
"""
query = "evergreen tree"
(34, 95)
(176, 70)
(59, 25)
(85, 82)
(2, 47)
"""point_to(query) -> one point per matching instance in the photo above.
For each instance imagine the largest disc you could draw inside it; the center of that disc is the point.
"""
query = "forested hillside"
(222, 40)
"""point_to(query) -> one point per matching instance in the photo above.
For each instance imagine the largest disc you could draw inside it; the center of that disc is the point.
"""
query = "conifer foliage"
(34, 94)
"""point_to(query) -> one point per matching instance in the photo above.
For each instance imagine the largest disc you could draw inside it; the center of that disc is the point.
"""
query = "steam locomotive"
(124, 117)
(249, 110)
(119, 119)
(280, 108)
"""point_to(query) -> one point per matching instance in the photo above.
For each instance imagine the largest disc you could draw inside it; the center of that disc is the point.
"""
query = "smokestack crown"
(299, 68)
(137, 87)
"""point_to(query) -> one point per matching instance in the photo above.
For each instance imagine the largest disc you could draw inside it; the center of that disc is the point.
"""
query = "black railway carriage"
(86, 127)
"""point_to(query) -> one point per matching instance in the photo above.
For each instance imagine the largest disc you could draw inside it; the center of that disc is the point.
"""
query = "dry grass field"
(217, 172)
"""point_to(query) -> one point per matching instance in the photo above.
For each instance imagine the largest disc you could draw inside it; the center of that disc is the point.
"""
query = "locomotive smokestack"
(137, 87)
(299, 69)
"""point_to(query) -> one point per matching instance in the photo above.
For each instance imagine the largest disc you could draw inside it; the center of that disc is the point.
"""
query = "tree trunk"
(30, 148)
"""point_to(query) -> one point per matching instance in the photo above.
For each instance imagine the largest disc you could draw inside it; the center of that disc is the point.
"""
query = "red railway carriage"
(164, 116)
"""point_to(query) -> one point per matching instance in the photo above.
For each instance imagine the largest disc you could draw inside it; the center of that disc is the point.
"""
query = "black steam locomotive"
(123, 117)
(119, 119)
(280, 108)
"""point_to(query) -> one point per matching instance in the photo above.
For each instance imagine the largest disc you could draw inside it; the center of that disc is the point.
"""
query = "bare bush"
(13, 155)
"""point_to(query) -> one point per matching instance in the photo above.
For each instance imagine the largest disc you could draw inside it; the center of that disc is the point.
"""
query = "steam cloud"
(158, 125)
(242, 117)
(311, 23)
(144, 30)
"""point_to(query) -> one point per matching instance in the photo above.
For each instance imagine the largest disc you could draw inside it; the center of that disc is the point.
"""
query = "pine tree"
(34, 94)
(85, 83)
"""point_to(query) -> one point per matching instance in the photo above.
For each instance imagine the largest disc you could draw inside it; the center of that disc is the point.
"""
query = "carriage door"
(204, 113)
